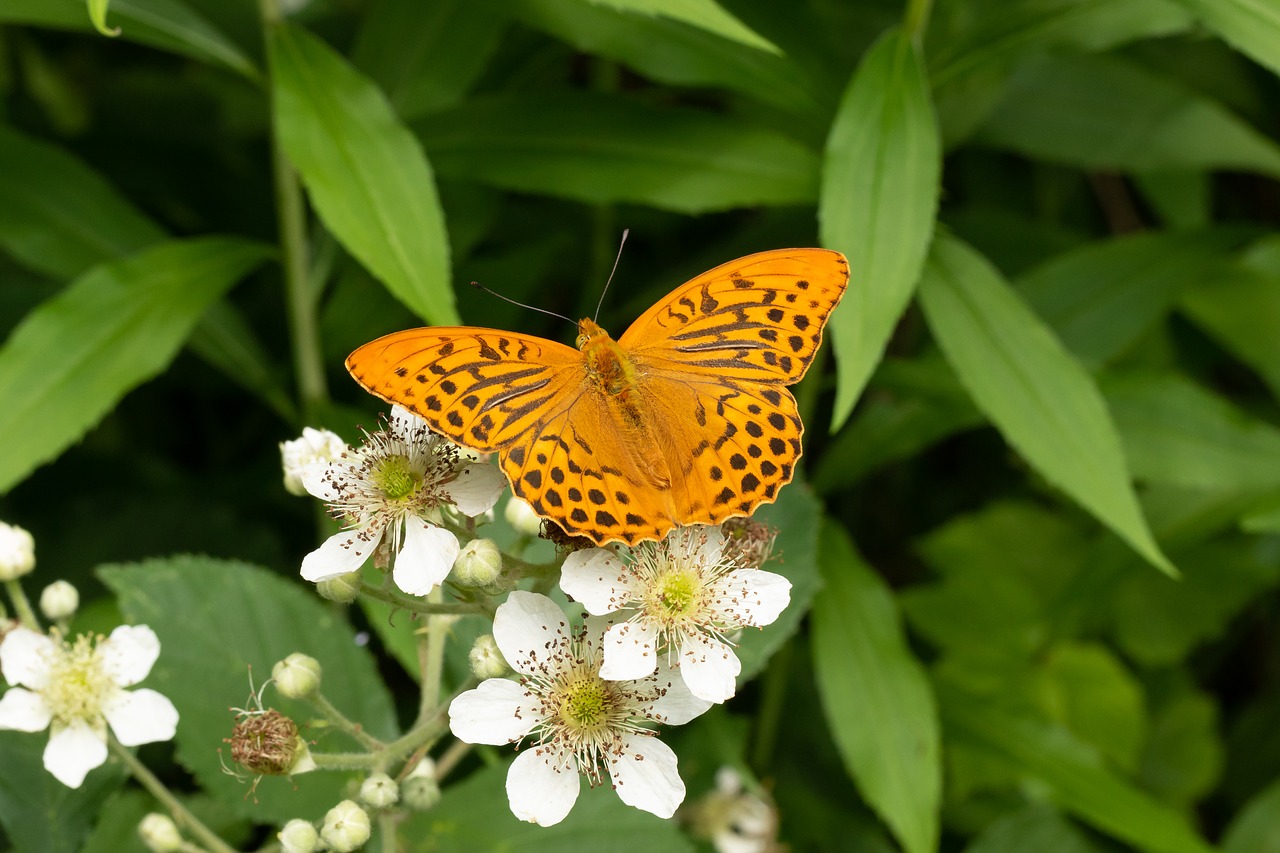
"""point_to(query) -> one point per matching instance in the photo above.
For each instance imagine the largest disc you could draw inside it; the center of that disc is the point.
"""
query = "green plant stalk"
(772, 703)
(431, 659)
(342, 723)
(156, 788)
(21, 605)
(414, 606)
(916, 19)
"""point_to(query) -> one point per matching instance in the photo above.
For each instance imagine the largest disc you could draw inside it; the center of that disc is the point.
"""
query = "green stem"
(340, 721)
(431, 659)
(916, 18)
(772, 704)
(22, 605)
(184, 818)
(415, 606)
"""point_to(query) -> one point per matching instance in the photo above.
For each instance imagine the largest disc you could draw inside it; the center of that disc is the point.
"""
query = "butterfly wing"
(717, 353)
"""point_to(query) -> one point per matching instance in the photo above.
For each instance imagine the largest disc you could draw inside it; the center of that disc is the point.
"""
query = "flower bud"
(297, 676)
(160, 833)
(59, 600)
(380, 791)
(420, 790)
(17, 552)
(342, 589)
(346, 827)
(316, 447)
(298, 836)
(479, 563)
(486, 659)
(522, 517)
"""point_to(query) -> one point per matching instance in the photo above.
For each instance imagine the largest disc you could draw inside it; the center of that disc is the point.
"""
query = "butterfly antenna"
(621, 243)
(480, 286)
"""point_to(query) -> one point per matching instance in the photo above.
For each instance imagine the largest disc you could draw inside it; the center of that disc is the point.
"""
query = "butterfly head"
(588, 331)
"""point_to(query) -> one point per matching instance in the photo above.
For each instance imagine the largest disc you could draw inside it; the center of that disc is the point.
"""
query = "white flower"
(77, 689)
(733, 819)
(579, 723)
(680, 599)
(316, 448)
(395, 485)
(521, 517)
(17, 552)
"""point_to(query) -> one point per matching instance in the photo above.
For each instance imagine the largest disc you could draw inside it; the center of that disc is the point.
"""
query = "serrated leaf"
(608, 148)
(1250, 26)
(876, 697)
(1037, 395)
(216, 619)
(365, 173)
(70, 360)
(707, 14)
(880, 186)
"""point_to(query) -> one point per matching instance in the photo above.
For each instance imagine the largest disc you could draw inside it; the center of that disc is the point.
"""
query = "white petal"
(140, 716)
(630, 651)
(74, 751)
(344, 551)
(476, 488)
(596, 578)
(751, 597)
(497, 712)
(129, 653)
(676, 704)
(316, 480)
(542, 785)
(26, 656)
(698, 544)
(709, 667)
(425, 558)
(532, 632)
(404, 422)
(24, 711)
(645, 775)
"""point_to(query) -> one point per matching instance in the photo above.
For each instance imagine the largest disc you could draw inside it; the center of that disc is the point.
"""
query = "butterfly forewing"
(757, 318)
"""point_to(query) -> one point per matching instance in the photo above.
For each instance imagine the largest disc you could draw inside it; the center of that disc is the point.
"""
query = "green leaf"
(167, 24)
(1250, 26)
(425, 56)
(1037, 395)
(876, 697)
(1184, 754)
(880, 187)
(1098, 699)
(1256, 829)
(1073, 773)
(1035, 827)
(1182, 198)
(365, 173)
(216, 619)
(706, 14)
(1176, 432)
(115, 327)
(1066, 109)
(98, 15)
(225, 340)
(473, 815)
(40, 814)
(607, 148)
(1101, 297)
(58, 216)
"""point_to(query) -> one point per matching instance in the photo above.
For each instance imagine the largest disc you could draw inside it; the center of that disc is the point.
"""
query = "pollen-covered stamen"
(78, 683)
(676, 590)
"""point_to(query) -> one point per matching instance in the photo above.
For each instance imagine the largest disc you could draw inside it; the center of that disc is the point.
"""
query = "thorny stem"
(156, 788)
(342, 723)
(22, 605)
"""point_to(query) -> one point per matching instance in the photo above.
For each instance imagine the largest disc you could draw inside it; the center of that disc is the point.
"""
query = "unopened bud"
(479, 563)
(380, 791)
(297, 676)
(522, 517)
(486, 659)
(342, 589)
(315, 447)
(298, 836)
(160, 834)
(420, 790)
(17, 552)
(346, 827)
(59, 600)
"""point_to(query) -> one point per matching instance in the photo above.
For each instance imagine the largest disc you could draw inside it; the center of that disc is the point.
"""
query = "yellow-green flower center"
(78, 684)
(585, 703)
(675, 593)
(394, 476)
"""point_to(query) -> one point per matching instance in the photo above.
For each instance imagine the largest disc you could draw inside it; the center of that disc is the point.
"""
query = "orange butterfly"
(685, 419)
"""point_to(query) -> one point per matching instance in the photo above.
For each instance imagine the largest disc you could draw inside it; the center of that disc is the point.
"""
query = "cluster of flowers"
(655, 647)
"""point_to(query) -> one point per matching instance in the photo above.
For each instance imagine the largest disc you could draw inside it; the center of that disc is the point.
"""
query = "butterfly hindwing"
(759, 318)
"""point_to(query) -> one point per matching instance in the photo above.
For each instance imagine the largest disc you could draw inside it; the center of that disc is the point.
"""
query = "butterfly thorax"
(607, 365)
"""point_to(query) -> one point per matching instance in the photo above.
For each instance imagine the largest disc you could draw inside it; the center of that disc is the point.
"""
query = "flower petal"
(140, 716)
(425, 558)
(596, 578)
(532, 632)
(129, 653)
(24, 711)
(476, 488)
(542, 785)
(26, 656)
(497, 712)
(630, 651)
(751, 597)
(315, 478)
(344, 551)
(709, 667)
(646, 777)
(404, 422)
(73, 751)
(698, 544)
(676, 704)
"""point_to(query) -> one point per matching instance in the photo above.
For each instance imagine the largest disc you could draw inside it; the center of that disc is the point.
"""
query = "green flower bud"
(380, 791)
(346, 827)
(478, 564)
(297, 676)
(342, 589)
(486, 659)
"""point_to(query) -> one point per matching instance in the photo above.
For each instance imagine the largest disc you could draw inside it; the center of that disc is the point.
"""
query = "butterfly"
(685, 419)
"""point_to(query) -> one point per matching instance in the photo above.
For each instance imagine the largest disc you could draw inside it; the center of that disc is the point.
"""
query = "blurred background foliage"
(1037, 525)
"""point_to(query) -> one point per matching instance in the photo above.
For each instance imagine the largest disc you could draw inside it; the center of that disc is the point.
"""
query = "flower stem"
(431, 659)
(916, 18)
(156, 788)
(415, 606)
(22, 605)
(340, 722)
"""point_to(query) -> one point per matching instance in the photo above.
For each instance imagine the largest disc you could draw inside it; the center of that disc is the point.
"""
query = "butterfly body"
(684, 419)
